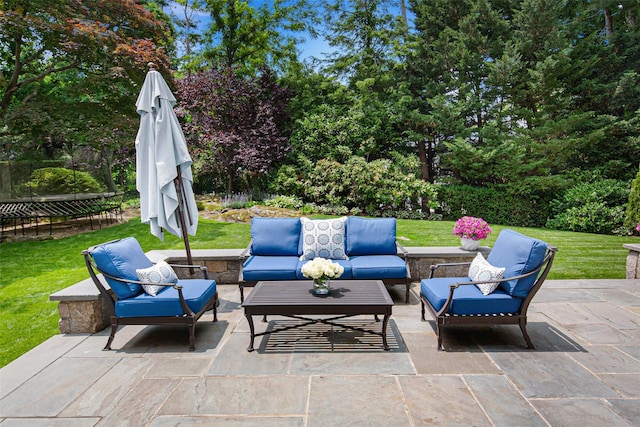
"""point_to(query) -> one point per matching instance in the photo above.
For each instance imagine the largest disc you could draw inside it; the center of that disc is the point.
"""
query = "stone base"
(633, 261)
(82, 316)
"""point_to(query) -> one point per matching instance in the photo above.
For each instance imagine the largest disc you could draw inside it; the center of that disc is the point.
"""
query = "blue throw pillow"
(275, 236)
(371, 236)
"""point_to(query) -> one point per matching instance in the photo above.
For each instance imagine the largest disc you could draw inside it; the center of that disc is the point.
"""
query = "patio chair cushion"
(270, 267)
(121, 258)
(468, 299)
(275, 236)
(378, 267)
(371, 236)
(166, 303)
(346, 274)
(481, 270)
(161, 272)
(518, 254)
(323, 238)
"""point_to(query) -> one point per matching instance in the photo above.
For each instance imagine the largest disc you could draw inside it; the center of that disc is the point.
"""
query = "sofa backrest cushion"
(275, 236)
(121, 258)
(518, 254)
(367, 236)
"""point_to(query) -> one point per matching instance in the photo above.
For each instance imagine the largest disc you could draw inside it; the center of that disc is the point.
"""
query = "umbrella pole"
(180, 190)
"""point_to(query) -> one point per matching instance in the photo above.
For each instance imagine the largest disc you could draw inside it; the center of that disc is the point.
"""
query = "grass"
(31, 271)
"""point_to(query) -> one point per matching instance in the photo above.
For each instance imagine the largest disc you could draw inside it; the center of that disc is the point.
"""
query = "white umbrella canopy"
(163, 164)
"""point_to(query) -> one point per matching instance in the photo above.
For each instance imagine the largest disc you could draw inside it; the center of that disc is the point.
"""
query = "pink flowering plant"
(638, 227)
(472, 228)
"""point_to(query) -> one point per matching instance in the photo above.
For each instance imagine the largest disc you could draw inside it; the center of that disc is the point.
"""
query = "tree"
(70, 73)
(249, 39)
(188, 37)
(233, 123)
(41, 38)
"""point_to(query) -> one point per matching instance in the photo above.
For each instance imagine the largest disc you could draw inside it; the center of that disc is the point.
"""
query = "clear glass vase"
(321, 286)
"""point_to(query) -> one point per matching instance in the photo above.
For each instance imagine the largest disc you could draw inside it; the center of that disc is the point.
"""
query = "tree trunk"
(424, 161)
(107, 162)
(608, 23)
(403, 11)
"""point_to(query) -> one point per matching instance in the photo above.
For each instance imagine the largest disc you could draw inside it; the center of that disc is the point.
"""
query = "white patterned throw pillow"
(161, 272)
(323, 238)
(481, 270)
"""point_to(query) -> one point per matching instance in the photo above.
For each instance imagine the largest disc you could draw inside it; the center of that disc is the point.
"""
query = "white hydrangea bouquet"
(320, 270)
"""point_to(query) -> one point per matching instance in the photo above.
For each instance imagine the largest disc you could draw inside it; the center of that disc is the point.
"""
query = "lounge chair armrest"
(402, 249)
(138, 282)
(245, 253)
(202, 268)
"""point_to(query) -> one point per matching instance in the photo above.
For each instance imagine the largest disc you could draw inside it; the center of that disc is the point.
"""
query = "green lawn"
(31, 271)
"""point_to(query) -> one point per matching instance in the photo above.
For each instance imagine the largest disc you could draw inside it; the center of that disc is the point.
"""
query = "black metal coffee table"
(294, 299)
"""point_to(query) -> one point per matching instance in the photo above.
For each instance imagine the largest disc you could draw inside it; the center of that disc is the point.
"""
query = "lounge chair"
(161, 298)
(516, 267)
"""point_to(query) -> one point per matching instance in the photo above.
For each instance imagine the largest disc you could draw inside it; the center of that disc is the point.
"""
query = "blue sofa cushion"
(275, 236)
(467, 299)
(346, 274)
(166, 303)
(270, 268)
(518, 254)
(121, 258)
(378, 267)
(371, 236)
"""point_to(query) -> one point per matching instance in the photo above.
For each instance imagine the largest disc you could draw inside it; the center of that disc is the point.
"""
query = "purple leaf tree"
(233, 123)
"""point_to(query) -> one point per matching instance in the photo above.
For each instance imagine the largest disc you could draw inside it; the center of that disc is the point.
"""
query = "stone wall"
(633, 261)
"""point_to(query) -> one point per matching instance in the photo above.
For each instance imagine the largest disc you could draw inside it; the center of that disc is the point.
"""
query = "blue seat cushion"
(270, 268)
(346, 275)
(467, 299)
(196, 293)
(371, 236)
(121, 258)
(518, 254)
(275, 236)
(378, 267)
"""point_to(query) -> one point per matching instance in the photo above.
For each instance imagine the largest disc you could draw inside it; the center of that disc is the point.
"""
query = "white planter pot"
(469, 244)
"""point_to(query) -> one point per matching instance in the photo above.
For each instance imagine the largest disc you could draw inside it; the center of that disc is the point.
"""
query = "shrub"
(236, 201)
(591, 207)
(376, 187)
(632, 218)
(591, 217)
(285, 202)
(61, 181)
(496, 205)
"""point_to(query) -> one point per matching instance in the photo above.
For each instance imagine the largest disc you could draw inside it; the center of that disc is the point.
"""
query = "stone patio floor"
(585, 370)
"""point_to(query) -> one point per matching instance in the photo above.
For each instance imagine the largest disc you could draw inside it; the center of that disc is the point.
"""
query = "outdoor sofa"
(365, 247)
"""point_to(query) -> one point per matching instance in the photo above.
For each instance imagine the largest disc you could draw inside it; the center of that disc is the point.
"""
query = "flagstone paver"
(585, 370)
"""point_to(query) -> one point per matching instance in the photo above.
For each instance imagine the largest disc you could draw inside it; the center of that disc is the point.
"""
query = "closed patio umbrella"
(163, 164)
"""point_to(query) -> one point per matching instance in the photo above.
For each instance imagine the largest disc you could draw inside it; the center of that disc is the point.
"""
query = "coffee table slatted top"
(346, 296)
